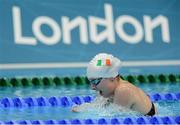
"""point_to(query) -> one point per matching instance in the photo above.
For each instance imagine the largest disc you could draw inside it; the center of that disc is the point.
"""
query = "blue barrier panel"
(46, 36)
(128, 120)
(69, 101)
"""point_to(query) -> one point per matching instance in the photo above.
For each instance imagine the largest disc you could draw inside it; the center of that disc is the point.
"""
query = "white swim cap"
(103, 65)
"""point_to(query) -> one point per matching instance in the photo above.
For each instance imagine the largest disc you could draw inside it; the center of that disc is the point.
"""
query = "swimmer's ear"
(111, 79)
(117, 77)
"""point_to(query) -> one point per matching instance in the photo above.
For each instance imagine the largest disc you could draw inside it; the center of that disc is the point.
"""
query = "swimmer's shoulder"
(122, 89)
(125, 84)
(123, 96)
(126, 89)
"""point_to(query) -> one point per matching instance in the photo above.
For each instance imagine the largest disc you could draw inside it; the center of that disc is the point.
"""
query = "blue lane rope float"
(81, 80)
(128, 120)
(66, 101)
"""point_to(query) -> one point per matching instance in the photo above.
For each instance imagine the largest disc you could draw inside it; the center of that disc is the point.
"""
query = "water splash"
(100, 107)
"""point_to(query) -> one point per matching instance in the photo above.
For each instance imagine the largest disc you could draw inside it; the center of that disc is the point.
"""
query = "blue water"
(79, 90)
(170, 108)
(58, 113)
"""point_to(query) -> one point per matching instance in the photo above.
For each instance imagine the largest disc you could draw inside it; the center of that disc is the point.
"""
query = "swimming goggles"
(95, 81)
(98, 80)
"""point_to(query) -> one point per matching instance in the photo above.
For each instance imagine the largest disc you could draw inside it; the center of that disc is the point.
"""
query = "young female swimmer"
(102, 72)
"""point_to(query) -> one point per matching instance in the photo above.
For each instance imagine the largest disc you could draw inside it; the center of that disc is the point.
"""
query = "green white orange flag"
(107, 62)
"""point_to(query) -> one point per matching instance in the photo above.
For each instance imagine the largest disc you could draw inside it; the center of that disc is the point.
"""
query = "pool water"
(165, 108)
(58, 113)
(80, 90)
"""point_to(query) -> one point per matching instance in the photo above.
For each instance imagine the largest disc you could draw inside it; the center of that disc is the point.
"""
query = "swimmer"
(103, 75)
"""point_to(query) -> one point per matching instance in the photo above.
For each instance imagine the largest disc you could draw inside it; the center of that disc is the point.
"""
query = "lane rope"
(127, 120)
(81, 80)
(67, 101)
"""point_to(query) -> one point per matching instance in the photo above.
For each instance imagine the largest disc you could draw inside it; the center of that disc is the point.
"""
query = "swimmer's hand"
(75, 109)
(81, 108)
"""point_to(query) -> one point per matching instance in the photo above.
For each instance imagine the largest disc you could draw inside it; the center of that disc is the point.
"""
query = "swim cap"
(103, 65)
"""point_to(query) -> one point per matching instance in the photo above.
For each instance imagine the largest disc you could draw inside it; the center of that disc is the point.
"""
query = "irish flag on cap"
(106, 62)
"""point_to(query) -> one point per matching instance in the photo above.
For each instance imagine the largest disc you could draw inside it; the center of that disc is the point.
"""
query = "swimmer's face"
(105, 86)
